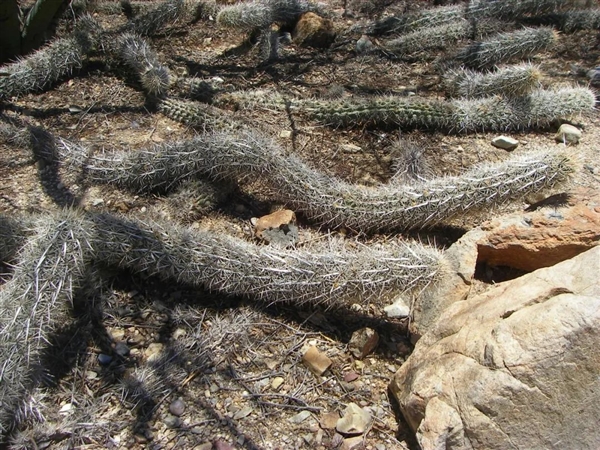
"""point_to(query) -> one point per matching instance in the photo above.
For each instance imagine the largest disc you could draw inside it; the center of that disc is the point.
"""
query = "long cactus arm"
(35, 302)
(324, 198)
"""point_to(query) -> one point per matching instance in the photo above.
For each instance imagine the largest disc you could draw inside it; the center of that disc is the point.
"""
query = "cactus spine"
(196, 115)
(504, 47)
(510, 81)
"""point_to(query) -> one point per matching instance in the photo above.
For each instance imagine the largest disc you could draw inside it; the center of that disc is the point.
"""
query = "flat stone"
(276, 383)
(505, 143)
(397, 309)
(355, 420)
(329, 420)
(316, 361)
(278, 227)
(300, 417)
(244, 412)
(363, 342)
(353, 443)
(568, 134)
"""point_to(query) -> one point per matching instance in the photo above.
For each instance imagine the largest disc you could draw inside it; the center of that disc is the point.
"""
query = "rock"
(329, 420)
(525, 241)
(300, 417)
(363, 342)
(518, 362)
(397, 309)
(568, 134)
(172, 421)
(276, 383)
(351, 376)
(364, 45)
(154, 351)
(177, 407)
(355, 420)
(353, 443)
(505, 143)
(312, 30)
(244, 412)
(122, 349)
(104, 359)
(204, 446)
(541, 238)
(594, 75)
(278, 227)
(222, 445)
(317, 362)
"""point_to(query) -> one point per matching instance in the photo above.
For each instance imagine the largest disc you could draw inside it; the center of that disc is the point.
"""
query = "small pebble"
(104, 359)
(122, 349)
(177, 407)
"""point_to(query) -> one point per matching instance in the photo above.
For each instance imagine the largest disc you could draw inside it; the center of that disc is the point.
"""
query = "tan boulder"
(515, 367)
(312, 30)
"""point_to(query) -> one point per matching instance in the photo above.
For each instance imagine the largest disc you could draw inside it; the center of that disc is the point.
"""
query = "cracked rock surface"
(515, 367)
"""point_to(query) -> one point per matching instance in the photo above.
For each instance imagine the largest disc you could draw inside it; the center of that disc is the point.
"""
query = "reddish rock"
(541, 238)
(313, 31)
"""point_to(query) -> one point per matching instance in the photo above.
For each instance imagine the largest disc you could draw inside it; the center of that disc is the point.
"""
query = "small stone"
(329, 420)
(355, 420)
(285, 134)
(205, 446)
(153, 351)
(122, 349)
(172, 421)
(278, 227)
(353, 443)
(363, 342)
(350, 148)
(222, 445)
(300, 417)
(97, 202)
(66, 408)
(91, 375)
(177, 407)
(364, 45)
(568, 134)
(316, 361)
(505, 143)
(351, 376)
(397, 309)
(276, 383)
(244, 412)
(104, 359)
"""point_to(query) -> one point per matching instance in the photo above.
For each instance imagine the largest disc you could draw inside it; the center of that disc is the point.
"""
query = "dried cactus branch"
(537, 109)
(46, 66)
(511, 81)
(324, 198)
(35, 301)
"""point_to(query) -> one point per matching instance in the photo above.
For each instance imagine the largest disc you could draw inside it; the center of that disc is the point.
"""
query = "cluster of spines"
(36, 301)
(155, 19)
(429, 38)
(511, 81)
(504, 47)
(196, 115)
(143, 60)
(261, 13)
(46, 66)
(475, 10)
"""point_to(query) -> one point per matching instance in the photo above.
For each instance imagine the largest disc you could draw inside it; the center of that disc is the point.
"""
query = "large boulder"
(525, 241)
(515, 367)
